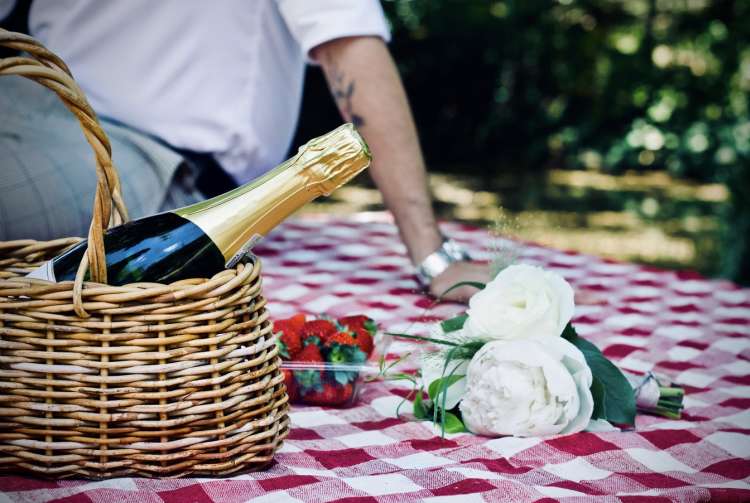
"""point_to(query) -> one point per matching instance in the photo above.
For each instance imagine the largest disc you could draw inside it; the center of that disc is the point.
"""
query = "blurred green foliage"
(610, 85)
(655, 84)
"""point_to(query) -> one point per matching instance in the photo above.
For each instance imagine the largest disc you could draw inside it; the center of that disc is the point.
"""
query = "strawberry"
(356, 321)
(297, 321)
(341, 338)
(309, 379)
(364, 341)
(291, 385)
(289, 341)
(310, 353)
(363, 328)
(317, 331)
(346, 392)
(342, 347)
(331, 394)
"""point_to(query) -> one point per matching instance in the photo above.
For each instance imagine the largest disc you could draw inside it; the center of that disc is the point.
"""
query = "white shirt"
(221, 76)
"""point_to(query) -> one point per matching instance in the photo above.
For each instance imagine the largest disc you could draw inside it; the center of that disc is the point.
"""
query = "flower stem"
(426, 339)
(668, 392)
(669, 414)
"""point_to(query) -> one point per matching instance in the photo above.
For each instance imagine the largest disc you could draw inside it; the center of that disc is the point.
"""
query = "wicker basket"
(144, 379)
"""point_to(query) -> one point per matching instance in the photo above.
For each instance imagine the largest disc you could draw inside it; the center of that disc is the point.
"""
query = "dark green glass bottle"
(200, 240)
(160, 248)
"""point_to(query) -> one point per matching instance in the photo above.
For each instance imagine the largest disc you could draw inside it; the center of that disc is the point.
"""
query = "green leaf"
(420, 410)
(354, 354)
(617, 402)
(475, 284)
(283, 351)
(597, 391)
(344, 377)
(441, 385)
(465, 351)
(308, 380)
(371, 327)
(453, 424)
(454, 324)
(569, 333)
(313, 339)
(346, 354)
(336, 356)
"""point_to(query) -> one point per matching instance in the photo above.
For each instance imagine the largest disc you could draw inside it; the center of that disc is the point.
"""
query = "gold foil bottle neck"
(238, 219)
(331, 160)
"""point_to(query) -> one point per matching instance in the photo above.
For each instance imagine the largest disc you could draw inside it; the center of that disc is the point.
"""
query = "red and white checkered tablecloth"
(695, 330)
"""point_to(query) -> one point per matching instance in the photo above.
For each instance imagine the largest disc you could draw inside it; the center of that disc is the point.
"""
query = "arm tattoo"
(342, 92)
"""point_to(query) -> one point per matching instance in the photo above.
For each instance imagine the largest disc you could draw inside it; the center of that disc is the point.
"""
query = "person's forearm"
(367, 88)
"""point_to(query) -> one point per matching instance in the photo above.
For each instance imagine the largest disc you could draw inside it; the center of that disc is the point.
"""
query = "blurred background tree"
(605, 86)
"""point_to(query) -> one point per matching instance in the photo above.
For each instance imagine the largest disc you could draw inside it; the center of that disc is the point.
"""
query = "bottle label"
(44, 271)
(254, 240)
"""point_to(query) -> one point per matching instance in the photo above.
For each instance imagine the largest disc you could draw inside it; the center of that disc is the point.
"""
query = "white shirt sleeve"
(312, 23)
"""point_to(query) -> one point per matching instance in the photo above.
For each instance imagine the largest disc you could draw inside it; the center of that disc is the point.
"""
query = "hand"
(456, 273)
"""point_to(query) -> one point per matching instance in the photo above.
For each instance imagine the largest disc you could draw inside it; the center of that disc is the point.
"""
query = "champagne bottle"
(204, 238)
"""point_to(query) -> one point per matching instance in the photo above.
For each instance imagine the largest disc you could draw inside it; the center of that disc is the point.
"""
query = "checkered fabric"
(695, 330)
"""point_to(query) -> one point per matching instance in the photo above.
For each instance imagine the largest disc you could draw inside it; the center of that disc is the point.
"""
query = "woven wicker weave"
(143, 379)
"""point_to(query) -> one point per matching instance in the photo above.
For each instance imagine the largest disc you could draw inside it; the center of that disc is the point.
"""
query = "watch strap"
(438, 261)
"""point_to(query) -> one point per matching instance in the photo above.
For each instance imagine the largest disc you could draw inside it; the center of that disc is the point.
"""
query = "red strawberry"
(364, 341)
(342, 347)
(309, 379)
(332, 394)
(310, 353)
(356, 321)
(290, 341)
(363, 328)
(291, 385)
(342, 338)
(297, 321)
(346, 392)
(317, 328)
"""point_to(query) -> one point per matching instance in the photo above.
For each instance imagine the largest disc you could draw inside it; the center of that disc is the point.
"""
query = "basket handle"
(109, 208)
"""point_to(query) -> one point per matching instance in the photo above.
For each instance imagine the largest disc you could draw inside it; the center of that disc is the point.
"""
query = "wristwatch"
(438, 261)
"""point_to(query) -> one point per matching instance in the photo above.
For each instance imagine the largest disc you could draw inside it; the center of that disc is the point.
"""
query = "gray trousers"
(47, 173)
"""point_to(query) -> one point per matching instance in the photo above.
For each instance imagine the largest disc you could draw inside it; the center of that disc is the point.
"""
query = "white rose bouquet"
(514, 365)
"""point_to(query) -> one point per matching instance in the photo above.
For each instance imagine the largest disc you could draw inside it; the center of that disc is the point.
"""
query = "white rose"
(520, 301)
(527, 388)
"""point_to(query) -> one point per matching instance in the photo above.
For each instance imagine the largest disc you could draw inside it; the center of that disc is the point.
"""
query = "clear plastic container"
(332, 384)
